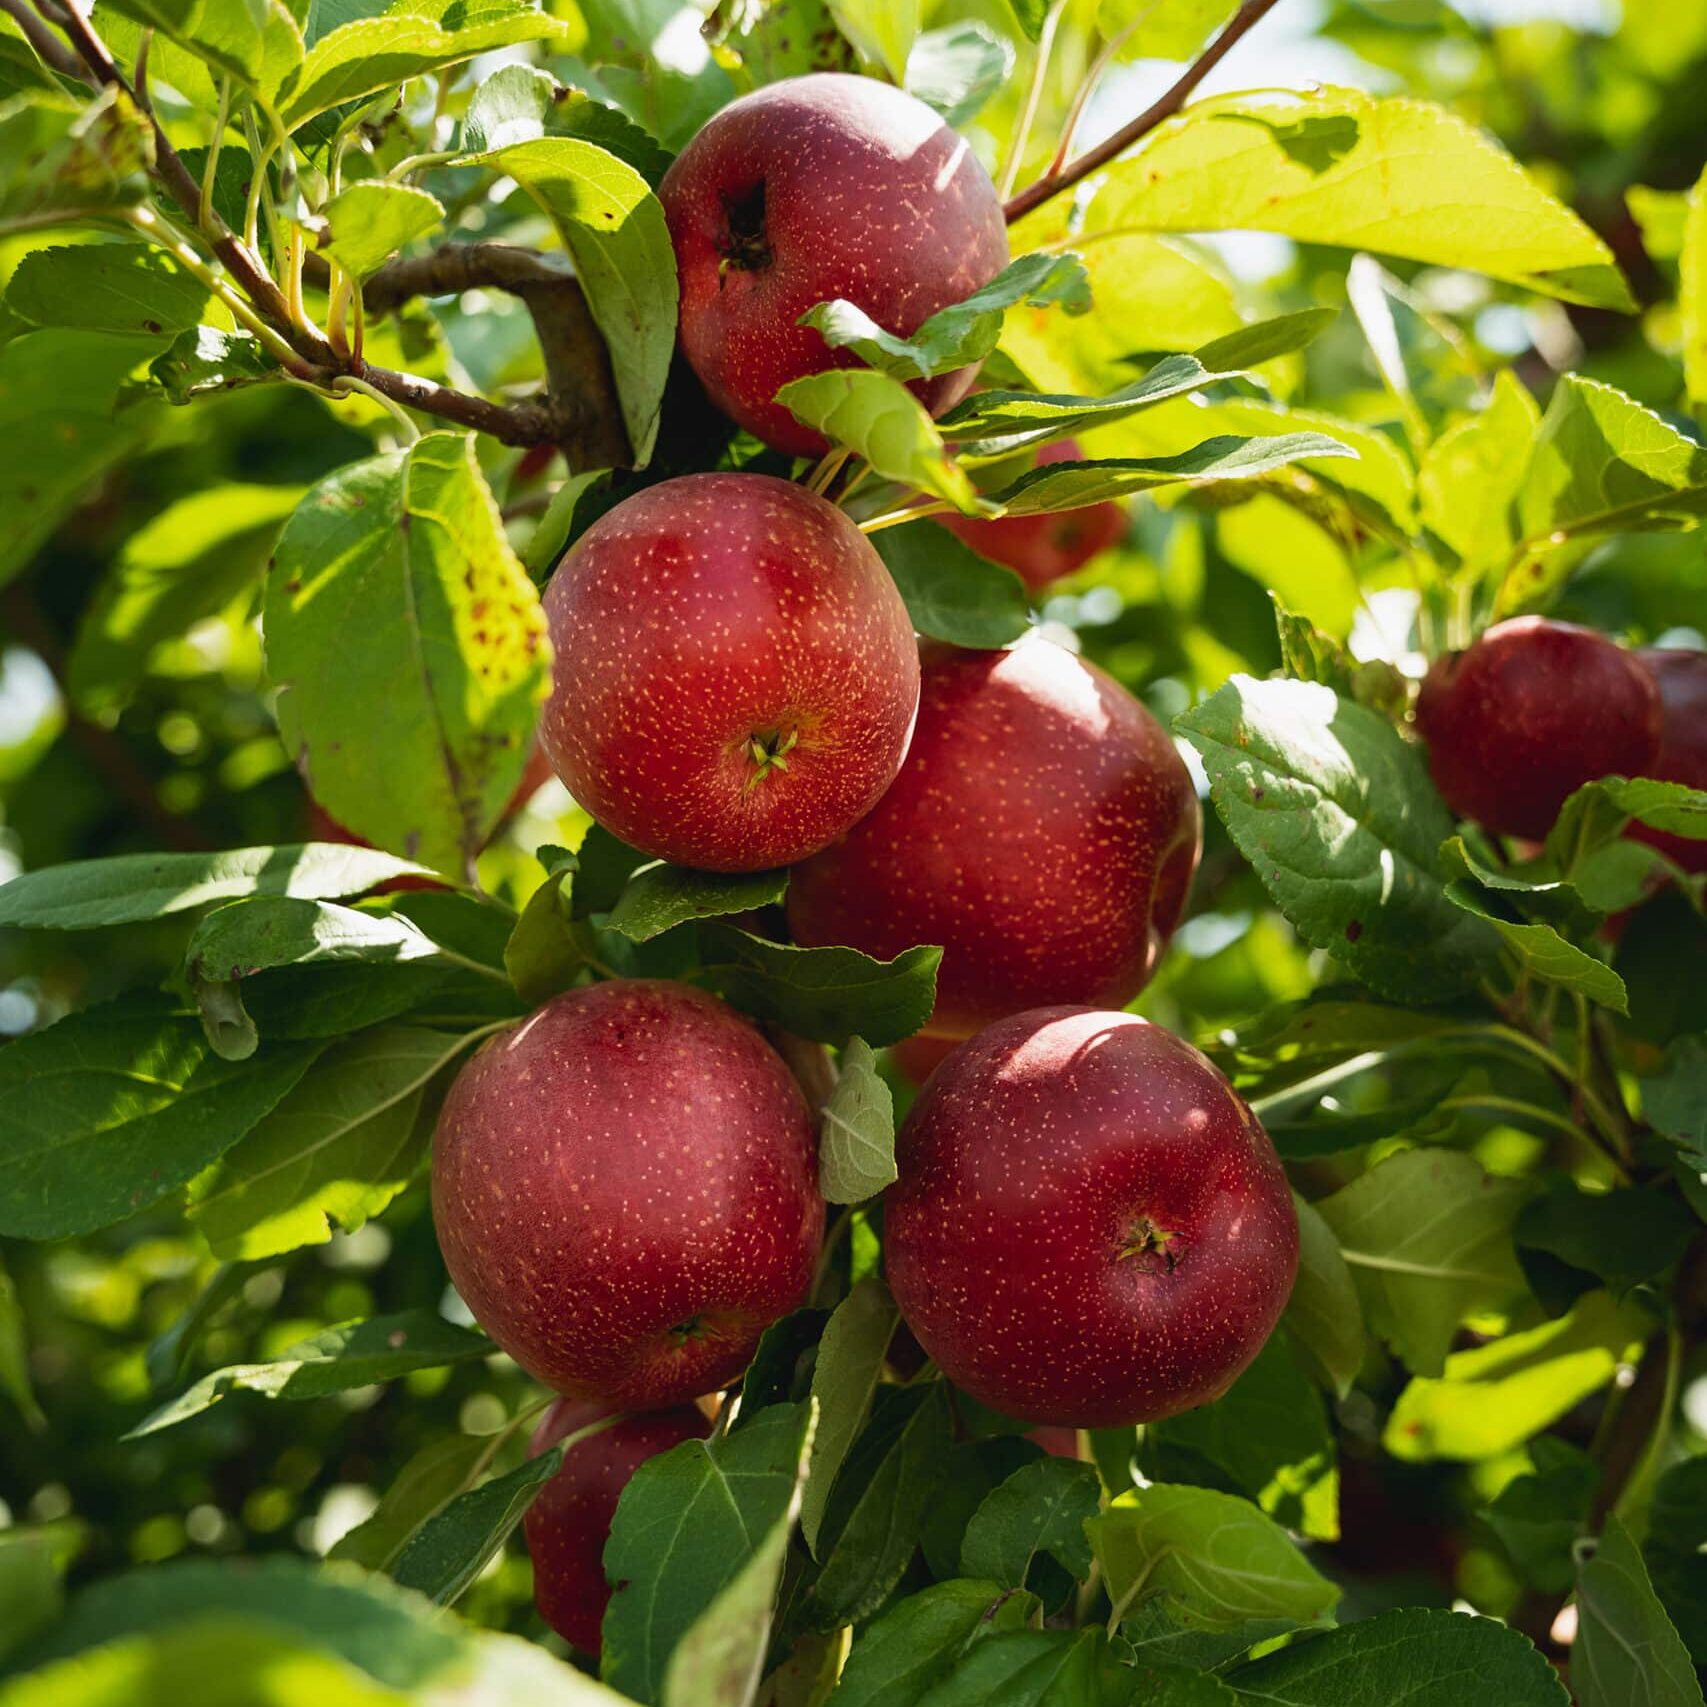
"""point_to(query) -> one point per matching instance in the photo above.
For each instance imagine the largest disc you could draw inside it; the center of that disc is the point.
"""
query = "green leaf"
(206, 360)
(444, 1556)
(1422, 1658)
(856, 1142)
(1470, 476)
(1221, 1559)
(368, 222)
(881, 420)
(1268, 1435)
(951, 592)
(518, 103)
(1627, 1652)
(245, 937)
(548, 949)
(15, 1362)
(420, 743)
(1323, 1311)
(422, 1489)
(1494, 1397)
(876, 1511)
(1072, 485)
(353, 1354)
(106, 287)
(1620, 1238)
(1692, 291)
(659, 897)
(997, 423)
(1539, 1516)
(1041, 1668)
(882, 30)
(607, 217)
(1308, 654)
(89, 894)
(1677, 1521)
(844, 1377)
(374, 53)
(112, 1108)
(33, 1563)
(1427, 1236)
(190, 561)
(60, 152)
(685, 1526)
(1545, 955)
(225, 33)
(1601, 464)
(825, 994)
(1336, 166)
(720, 1657)
(961, 334)
(335, 1151)
(1041, 1508)
(957, 69)
(915, 1644)
(1596, 814)
(1336, 812)
(1674, 1098)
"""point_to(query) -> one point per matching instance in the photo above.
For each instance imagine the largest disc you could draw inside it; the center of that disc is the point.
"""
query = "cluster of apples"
(1534, 709)
(1089, 1226)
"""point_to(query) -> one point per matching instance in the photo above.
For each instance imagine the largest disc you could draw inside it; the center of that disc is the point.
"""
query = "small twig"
(204, 207)
(49, 49)
(1093, 77)
(1055, 181)
(1033, 96)
(896, 517)
(139, 77)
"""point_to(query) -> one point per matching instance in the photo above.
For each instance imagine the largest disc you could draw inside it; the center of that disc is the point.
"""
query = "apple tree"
(855, 854)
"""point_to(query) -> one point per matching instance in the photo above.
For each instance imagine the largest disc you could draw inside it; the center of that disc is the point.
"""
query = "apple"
(1043, 549)
(919, 1057)
(1680, 675)
(625, 1191)
(809, 190)
(1526, 715)
(734, 675)
(1043, 831)
(568, 1524)
(1090, 1228)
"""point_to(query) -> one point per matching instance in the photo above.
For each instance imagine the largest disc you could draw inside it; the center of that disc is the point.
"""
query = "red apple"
(734, 676)
(625, 1189)
(1681, 678)
(1528, 714)
(1090, 1228)
(1043, 549)
(568, 1525)
(1043, 830)
(805, 191)
(1057, 1442)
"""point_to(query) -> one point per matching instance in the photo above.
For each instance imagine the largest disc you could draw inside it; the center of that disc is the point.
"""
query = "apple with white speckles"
(812, 189)
(1680, 676)
(734, 675)
(568, 1525)
(1090, 1227)
(1043, 831)
(626, 1194)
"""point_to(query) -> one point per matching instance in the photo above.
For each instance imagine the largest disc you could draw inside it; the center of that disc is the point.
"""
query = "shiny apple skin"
(1680, 675)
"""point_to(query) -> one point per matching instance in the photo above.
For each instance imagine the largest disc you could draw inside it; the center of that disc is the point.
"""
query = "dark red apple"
(1530, 712)
(1090, 1228)
(626, 1195)
(734, 676)
(1681, 678)
(808, 190)
(568, 1525)
(1043, 830)
(1043, 549)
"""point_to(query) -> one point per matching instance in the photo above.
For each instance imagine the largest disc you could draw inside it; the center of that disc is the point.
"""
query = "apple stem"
(769, 752)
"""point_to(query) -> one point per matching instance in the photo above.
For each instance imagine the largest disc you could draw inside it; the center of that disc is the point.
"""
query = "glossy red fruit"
(625, 1190)
(1529, 713)
(1090, 1228)
(568, 1525)
(1043, 830)
(1043, 549)
(734, 676)
(808, 190)
(1057, 1442)
(1681, 678)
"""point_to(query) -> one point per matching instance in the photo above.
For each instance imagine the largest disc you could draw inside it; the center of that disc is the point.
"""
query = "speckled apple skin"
(1680, 675)
(1043, 831)
(631, 1159)
(868, 196)
(703, 612)
(1042, 550)
(568, 1525)
(1527, 714)
(1025, 1166)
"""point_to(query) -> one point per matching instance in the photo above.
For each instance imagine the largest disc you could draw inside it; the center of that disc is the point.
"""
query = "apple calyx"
(769, 751)
(1151, 1245)
(743, 246)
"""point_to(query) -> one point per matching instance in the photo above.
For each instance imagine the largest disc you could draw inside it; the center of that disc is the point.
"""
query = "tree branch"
(50, 50)
(1055, 181)
(458, 267)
